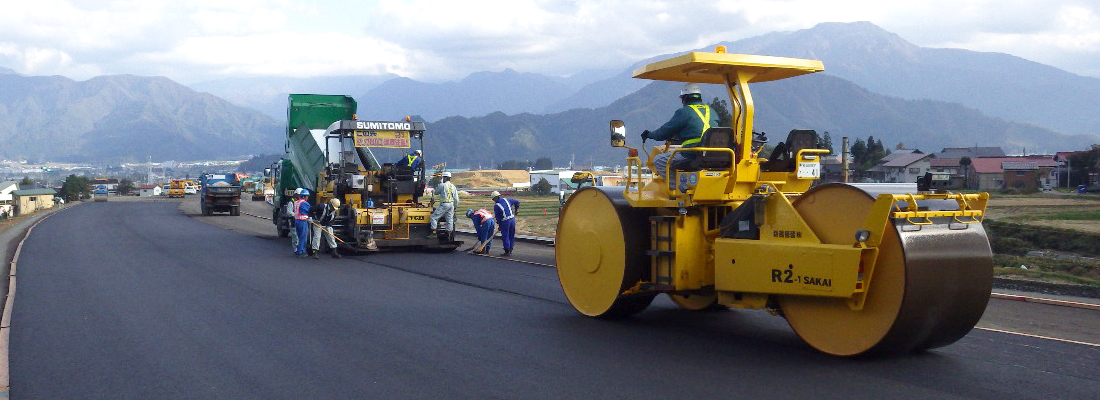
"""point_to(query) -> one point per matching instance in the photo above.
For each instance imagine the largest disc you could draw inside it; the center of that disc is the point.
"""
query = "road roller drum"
(600, 252)
(930, 287)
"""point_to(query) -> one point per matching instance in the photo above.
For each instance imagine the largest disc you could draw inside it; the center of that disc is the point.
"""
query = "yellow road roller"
(854, 268)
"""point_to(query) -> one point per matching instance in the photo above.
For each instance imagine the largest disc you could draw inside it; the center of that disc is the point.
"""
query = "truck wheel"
(280, 227)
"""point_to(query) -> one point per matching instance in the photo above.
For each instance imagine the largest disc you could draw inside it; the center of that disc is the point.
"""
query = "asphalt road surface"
(138, 300)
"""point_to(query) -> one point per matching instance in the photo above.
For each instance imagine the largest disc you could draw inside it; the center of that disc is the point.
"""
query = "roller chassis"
(854, 270)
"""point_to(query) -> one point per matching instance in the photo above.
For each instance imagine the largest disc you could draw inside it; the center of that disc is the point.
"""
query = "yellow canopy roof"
(713, 67)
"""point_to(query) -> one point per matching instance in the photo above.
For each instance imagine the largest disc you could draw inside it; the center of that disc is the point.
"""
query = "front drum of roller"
(599, 250)
(930, 285)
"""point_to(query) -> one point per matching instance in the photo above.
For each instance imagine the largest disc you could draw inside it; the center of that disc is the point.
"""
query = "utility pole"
(844, 158)
(1069, 172)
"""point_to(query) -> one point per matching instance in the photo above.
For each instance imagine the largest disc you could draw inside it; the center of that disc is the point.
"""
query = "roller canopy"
(713, 67)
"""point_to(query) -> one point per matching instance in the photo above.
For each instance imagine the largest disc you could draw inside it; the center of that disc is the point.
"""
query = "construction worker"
(685, 128)
(301, 222)
(504, 209)
(412, 160)
(288, 212)
(405, 168)
(325, 215)
(485, 227)
(448, 200)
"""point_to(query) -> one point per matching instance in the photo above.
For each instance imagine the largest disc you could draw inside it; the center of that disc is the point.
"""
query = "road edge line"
(1040, 300)
(9, 302)
(1038, 336)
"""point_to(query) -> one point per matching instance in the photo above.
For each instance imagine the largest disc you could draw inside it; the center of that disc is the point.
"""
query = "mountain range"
(124, 118)
(875, 83)
(821, 102)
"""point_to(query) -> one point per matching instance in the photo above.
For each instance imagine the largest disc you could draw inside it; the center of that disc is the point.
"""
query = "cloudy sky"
(437, 40)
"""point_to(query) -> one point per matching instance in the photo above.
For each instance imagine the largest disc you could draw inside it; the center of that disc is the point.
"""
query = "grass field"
(537, 216)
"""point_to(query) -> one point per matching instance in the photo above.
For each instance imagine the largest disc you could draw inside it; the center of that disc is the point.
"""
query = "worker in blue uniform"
(412, 160)
(685, 128)
(504, 209)
(301, 222)
(405, 168)
(485, 226)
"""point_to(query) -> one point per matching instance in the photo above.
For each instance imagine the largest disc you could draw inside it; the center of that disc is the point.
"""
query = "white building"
(6, 198)
(906, 167)
(556, 178)
(150, 190)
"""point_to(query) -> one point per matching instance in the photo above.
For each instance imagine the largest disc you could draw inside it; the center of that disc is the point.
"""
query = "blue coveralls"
(412, 161)
(301, 225)
(504, 211)
(485, 226)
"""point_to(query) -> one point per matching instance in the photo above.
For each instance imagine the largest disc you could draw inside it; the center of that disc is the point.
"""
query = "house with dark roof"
(898, 153)
(906, 167)
(946, 173)
(1067, 171)
(1022, 173)
(972, 152)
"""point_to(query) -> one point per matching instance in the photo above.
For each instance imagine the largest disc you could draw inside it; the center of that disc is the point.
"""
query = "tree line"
(539, 164)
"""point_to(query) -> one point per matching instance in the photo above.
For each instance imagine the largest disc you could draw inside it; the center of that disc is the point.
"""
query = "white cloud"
(281, 54)
(444, 40)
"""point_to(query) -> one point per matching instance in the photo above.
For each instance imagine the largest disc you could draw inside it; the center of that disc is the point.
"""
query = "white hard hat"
(495, 194)
(690, 88)
(418, 152)
(334, 202)
(446, 174)
(297, 191)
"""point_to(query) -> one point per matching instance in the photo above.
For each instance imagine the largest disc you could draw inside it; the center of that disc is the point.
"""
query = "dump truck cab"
(220, 193)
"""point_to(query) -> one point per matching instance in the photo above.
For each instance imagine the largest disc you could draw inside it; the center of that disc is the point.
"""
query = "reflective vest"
(505, 209)
(446, 196)
(298, 214)
(699, 109)
(484, 214)
(410, 159)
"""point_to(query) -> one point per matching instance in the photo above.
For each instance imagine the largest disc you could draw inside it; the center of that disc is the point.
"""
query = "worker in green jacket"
(685, 128)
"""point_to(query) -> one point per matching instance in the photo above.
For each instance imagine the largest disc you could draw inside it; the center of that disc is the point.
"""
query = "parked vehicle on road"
(220, 193)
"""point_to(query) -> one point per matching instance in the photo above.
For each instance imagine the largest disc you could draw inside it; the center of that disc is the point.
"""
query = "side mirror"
(618, 133)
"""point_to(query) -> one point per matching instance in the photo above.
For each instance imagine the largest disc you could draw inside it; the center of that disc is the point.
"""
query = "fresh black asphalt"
(137, 301)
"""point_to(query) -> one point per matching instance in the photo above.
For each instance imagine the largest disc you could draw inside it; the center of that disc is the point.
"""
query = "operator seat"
(783, 157)
(720, 137)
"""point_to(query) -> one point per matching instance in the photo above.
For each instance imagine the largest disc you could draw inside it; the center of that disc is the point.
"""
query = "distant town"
(26, 187)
